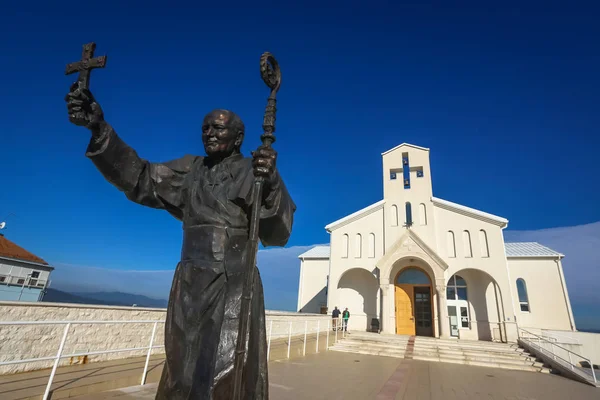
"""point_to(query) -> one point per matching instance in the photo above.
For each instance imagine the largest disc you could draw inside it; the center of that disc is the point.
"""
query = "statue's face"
(219, 139)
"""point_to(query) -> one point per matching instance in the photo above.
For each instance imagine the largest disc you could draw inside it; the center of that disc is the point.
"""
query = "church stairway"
(485, 354)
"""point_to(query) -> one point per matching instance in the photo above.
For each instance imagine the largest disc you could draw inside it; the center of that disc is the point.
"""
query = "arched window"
(457, 288)
(413, 276)
(523, 298)
(345, 245)
(394, 215)
(450, 242)
(408, 214)
(358, 243)
(467, 244)
(483, 244)
(458, 304)
(371, 245)
(422, 214)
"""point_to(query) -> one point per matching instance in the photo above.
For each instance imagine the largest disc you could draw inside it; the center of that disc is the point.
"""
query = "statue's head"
(222, 133)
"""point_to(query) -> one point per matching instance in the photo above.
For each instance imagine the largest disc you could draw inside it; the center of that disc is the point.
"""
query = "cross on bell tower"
(406, 170)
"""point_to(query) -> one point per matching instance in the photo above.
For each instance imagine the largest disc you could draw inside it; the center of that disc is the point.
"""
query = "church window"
(422, 214)
(408, 214)
(358, 243)
(450, 242)
(371, 245)
(523, 298)
(420, 173)
(392, 175)
(345, 243)
(457, 288)
(483, 243)
(458, 305)
(413, 276)
(394, 215)
(467, 244)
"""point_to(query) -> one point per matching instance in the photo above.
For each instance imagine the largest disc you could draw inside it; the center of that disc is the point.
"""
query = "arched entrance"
(357, 290)
(413, 300)
(475, 307)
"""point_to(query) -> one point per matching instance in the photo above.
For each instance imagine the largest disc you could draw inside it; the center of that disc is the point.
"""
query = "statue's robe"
(213, 202)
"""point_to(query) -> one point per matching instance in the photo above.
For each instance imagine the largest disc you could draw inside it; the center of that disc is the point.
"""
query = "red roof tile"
(11, 250)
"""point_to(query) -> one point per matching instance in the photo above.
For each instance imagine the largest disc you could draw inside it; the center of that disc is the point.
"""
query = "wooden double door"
(414, 311)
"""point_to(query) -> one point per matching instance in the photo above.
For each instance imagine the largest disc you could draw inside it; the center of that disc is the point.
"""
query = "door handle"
(412, 318)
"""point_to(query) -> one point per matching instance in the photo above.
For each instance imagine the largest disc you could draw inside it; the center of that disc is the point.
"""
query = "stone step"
(469, 348)
(433, 345)
(474, 342)
(480, 357)
(383, 352)
(377, 338)
(500, 356)
(370, 344)
(433, 351)
(496, 364)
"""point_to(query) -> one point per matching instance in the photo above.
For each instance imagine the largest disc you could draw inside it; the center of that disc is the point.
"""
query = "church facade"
(415, 264)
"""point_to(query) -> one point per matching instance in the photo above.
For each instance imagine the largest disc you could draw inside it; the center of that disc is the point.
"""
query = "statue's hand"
(83, 109)
(263, 163)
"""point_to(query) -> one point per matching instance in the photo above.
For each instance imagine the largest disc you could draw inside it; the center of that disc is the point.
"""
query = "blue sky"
(506, 98)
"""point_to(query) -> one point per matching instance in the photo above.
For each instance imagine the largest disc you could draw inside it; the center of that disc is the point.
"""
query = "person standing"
(335, 315)
(346, 317)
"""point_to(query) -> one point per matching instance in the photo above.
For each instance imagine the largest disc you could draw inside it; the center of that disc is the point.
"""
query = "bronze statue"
(213, 196)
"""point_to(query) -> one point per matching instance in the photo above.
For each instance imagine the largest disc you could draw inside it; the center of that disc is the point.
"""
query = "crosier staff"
(271, 75)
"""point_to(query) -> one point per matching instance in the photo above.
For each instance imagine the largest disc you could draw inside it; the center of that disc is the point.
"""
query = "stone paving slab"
(335, 375)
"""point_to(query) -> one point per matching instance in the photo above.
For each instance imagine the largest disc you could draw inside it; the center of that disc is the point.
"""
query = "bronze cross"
(85, 66)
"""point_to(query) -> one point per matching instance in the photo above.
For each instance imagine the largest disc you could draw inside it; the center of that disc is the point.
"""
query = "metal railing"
(553, 336)
(59, 355)
(551, 350)
(322, 324)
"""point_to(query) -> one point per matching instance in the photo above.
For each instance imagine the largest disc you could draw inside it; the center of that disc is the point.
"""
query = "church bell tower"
(407, 193)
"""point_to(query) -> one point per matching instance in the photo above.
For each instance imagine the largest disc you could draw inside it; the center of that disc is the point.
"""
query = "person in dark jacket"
(335, 315)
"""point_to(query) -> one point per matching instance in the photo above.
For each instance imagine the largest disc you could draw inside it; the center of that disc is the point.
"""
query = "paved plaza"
(335, 375)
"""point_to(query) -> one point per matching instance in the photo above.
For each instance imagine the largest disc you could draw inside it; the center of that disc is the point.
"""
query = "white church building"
(414, 264)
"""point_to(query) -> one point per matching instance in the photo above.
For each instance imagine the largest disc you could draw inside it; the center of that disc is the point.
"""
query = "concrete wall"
(34, 341)
(548, 306)
(312, 287)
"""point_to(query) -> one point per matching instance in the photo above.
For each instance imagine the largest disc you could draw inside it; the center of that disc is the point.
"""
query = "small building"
(415, 264)
(23, 275)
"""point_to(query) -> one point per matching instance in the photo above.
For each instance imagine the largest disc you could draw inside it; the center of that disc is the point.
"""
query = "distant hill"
(103, 298)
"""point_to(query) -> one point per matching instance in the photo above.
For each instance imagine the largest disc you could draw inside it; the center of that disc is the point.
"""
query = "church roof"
(316, 252)
(354, 216)
(529, 249)
(10, 250)
(405, 144)
(513, 250)
(459, 208)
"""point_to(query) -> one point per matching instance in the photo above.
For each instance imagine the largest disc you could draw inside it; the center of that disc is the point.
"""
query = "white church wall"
(347, 255)
(486, 254)
(548, 306)
(312, 288)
